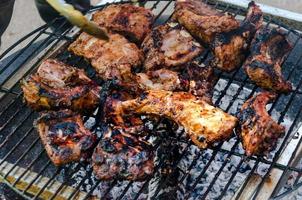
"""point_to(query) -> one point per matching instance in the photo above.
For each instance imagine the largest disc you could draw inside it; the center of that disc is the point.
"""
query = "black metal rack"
(220, 172)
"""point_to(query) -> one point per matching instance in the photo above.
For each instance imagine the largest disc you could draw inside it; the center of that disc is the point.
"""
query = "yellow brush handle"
(78, 19)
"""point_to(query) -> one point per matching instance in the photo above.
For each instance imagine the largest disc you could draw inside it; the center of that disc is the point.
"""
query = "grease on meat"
(203, 123)
(64, 136)
(121, 155)
(231, 48)
(129, 20)
(113, 59)
(202, 80)
(202, 20)
(259, 132)
(57, 85)
(169, 46)
(263, 66)
(162, 79)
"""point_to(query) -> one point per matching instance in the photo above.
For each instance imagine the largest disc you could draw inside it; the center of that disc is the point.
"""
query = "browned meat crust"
(263, 66)
(203, 21)
(113, 59)
(64, 136)
(121, 155)
(203, 123)
(202, 80)
(196, 79)
(230, 48)
(162, 79)
(259, 132)
(57, 85)
(129, 20)
(169, 46)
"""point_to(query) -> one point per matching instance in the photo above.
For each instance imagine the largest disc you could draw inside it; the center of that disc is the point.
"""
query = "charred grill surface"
(113, 59)
(64, 136)
(169, 46)
(259, 132)
(131, 21)
(203, 21)
(231, 48)
(203, 123)
(57, 85)
(122, 155)
(263, 66)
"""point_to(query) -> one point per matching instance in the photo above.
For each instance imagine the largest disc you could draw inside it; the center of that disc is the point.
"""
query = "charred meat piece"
(203, 21)
(197, 79)
(131, 21)
(202, 80)
(230, 48)
(263, 66)
(57, 85)
(121, 155)
(203, 123)
(64, 136)
(113, 59)
(169, 46)
(259, 132)
(162, 79)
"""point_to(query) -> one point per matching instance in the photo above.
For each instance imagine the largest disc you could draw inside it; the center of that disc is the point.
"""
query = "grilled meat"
(197, 79)
(169, 46)
(162, 79)
(113, 59)
(259, 132)
(263, 66)
(203, 123)
(64, 136)
(230, 48)
(203, 21)
(57, 85)
(122, 155)
(131, 21)
(202, 80)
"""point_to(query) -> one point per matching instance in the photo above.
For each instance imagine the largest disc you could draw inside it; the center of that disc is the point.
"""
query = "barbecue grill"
(182, 170)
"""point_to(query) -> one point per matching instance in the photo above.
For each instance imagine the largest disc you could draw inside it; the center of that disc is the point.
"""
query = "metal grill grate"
(222, 171)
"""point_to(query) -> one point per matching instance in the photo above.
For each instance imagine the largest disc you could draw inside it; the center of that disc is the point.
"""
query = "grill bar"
(22, 156)
(29, 166)
(286, 171)
(46, 42)
(63, 184)
(48, 39)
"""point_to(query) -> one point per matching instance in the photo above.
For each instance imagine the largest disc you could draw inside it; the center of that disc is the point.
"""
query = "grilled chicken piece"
(64, 136)
(263, 66)
(230, 48)
(169, 46)
(202, 80)
(57, 85)
(113, 59)
(131, 21)
(203, 21)
(121, 155)
(162, 79)
(259, 132)
(197, 79)
(203, 123)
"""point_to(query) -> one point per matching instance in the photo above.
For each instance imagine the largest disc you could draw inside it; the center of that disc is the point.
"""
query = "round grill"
(222, 171)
